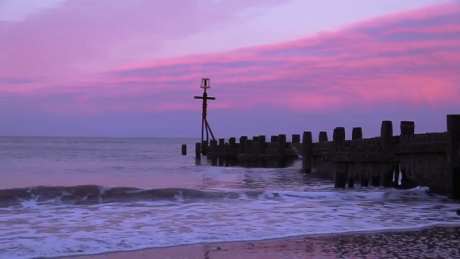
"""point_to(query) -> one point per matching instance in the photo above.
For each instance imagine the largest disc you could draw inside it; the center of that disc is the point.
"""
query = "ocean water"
(70, 196)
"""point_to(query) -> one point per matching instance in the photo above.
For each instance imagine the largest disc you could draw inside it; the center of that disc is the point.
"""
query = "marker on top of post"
(205, 127)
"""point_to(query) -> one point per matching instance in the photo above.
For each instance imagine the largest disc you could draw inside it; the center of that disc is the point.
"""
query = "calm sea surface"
(67, 196)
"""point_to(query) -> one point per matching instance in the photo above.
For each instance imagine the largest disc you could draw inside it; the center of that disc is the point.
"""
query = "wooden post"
(213, 152)
(365, 176)
(184, 149)
(296, 139)
(243, 140)
(232, 151)
(453, 152)
(307, 146)
(198, 151)
(226, 155)
(256, 145)
(262, 143)
(341, 168)
(351, 182)
(204, 148)
(407, 128)
(323, 137)
(282, 150)
(386, 135)
(357, 133)
(282, 143)
(375, 180)
(221, 152)
(339, 137)
(341, 174)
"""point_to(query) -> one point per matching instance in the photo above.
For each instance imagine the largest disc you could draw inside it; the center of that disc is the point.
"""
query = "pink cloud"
(361, 66)
(85, 36)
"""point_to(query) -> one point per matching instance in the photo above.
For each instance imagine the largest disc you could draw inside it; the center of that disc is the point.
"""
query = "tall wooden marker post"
(205, 128)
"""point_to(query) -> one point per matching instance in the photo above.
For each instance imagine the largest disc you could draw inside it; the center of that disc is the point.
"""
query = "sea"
(62, 196)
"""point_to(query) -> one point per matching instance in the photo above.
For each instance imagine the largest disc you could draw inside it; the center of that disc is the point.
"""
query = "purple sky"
(130, 68)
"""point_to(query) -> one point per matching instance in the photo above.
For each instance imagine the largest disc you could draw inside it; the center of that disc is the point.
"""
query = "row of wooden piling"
(386, 160)
(250, 152)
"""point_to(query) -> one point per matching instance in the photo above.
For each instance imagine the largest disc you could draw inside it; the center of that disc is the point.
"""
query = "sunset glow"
(90, 68)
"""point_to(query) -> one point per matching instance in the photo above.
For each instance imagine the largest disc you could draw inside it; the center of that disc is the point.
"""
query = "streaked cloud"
(408, 61)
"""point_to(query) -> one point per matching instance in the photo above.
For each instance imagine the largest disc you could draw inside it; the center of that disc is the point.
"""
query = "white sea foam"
(201, 203)
(52, 230)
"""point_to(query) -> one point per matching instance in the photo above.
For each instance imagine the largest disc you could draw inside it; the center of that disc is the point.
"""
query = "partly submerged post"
(341, 168)
(387, 169)
(205, 128)
(184, 149)
(453, 152)
(307, 146)
(198, 150)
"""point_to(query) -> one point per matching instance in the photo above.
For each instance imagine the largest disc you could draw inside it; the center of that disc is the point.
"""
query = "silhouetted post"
(221, 143)
(323, 137)
(351, 182)
(396, 176)
(226, 154)
(221, 152)
(204, 148)
(198, 151)
(453, 152)
(274, 139)
(282, 149)
(249, 146)
(233, 150)
(341, 172)
(255, 145)
(357, 133)
(262, 143)
(205, 127)
(282, 144)
(296, 139)
(184, 149)
(375, 180)
(213, 152)
(307, 146)
(243, 140)
(339, 137)
(386, 135)
(407, 128)
(364, 177)
(341, 168)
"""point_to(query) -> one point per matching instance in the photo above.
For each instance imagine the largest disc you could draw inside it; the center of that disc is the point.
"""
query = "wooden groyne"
(404, 161)
(254, 152)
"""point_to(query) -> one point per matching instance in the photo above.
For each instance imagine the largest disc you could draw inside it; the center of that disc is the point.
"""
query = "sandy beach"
(438, 242)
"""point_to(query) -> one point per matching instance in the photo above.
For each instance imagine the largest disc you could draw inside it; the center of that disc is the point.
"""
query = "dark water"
(63, 196)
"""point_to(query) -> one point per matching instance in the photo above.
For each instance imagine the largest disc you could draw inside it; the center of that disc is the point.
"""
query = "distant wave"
(93, 194)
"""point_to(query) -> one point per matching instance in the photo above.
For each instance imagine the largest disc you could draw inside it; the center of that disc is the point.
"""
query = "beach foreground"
(437, 242)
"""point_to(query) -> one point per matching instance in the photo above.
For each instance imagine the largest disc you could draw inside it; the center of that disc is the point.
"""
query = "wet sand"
(438, 242)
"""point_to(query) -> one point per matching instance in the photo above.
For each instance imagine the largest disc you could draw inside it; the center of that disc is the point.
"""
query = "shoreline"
(327, 245)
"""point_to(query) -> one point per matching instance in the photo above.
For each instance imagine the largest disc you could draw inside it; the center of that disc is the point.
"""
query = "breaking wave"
(93, 194)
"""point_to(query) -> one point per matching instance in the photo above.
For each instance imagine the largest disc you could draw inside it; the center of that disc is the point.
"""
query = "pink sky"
(130, 68)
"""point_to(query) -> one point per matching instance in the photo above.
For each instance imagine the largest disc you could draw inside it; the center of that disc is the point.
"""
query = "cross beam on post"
(205, 127)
